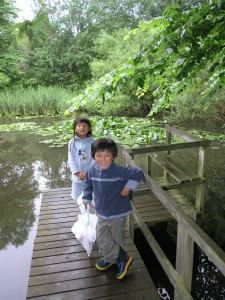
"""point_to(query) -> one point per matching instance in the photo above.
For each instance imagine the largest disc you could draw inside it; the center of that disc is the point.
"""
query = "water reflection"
(26, 168)
(18, 189)
(20, 173)
(209, 282)
(17, 206)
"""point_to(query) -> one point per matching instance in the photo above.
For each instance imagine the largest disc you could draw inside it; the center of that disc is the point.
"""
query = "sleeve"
(134, 178)
(71, 158)
(88, 189)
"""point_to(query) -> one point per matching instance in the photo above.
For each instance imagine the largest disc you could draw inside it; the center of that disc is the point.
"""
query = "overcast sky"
(26, 9)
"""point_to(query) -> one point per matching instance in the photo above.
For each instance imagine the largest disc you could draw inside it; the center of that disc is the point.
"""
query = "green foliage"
(120, 105)
(114, 49)
(193, 105)
(4, 80)
(9, 56)
(19, 126)
(129, 132)
(183, 43)
(41, 101)
(60, 39)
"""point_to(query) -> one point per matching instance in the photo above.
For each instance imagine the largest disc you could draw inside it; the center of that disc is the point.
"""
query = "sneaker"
(123, 266)
(102, 265)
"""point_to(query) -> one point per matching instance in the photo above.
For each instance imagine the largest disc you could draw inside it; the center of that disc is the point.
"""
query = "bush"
(193, 106)
(120, 105)
(4, 80)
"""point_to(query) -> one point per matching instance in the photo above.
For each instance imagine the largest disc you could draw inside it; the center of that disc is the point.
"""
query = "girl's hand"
(80, 175)
(124, 192)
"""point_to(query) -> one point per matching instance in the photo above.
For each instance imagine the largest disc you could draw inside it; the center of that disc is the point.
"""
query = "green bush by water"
(34, 102)
(193, 106)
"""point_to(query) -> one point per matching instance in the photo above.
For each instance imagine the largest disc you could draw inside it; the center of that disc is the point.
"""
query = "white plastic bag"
(82, 206)
(84, 230)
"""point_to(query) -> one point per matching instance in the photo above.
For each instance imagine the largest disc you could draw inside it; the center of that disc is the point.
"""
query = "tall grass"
(34, 102)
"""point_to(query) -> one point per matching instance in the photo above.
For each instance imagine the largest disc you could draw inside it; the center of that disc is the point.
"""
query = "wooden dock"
(61, 269)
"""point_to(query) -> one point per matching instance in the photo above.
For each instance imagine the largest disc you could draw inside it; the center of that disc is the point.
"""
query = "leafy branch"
(181, 44)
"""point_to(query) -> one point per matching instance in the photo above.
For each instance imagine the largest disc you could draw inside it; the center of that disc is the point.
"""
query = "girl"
(79, 154)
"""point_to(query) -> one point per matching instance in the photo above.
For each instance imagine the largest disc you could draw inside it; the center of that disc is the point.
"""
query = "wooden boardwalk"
(152, 210)
(61, 269)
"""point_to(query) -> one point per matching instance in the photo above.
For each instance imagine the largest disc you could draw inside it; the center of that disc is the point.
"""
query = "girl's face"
(103, 158)
(82, 130)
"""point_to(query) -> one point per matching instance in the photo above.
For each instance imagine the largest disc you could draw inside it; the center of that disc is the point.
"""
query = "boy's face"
(82, 130)
(103, 158)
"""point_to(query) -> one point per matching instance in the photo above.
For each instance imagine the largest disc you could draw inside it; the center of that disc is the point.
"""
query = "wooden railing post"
(130, 219)
(184, 257)
(130, 226)
(202, 170)
(168, 140)
(149, 165)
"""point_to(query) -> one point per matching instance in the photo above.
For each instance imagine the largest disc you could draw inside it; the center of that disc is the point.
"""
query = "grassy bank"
(34, 102)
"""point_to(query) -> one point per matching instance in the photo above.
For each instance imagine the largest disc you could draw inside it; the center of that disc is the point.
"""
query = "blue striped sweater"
(106, 184)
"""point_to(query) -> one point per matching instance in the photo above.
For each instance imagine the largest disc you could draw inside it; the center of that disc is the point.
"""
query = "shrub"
(193, 106)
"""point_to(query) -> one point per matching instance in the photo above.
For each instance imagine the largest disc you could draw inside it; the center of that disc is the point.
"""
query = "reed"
(34, 102)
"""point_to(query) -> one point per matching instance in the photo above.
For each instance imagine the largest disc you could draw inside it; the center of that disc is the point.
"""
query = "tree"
(9, 58)
(184, 42)
(61, 38)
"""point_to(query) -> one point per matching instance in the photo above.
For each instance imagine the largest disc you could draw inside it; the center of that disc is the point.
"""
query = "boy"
(111, 185)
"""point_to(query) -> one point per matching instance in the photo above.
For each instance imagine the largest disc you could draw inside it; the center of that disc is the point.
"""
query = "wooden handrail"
(175, 146)
(162, 258)
(208, 246)
(184, 135)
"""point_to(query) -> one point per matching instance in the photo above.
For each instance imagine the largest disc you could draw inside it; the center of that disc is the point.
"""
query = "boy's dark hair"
(78, 120)
(103, 144)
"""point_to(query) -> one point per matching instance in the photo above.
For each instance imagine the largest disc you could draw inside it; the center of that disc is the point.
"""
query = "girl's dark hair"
(103, 144)
(81, 120)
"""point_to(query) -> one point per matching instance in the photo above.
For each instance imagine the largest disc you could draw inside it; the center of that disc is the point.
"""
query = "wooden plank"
(167, 164)
(165, 263)
(61, 269)
(56, 259)
(184, 135)
(164, 147)
(87, 288)
(152, 210)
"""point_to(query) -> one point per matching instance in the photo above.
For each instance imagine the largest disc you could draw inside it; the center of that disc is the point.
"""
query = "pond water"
(27, 167)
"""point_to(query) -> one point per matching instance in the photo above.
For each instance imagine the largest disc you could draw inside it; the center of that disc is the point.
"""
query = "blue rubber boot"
(124, 263)
(102, 265)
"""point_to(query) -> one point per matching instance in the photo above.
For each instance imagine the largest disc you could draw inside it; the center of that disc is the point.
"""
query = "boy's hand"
(124, 192)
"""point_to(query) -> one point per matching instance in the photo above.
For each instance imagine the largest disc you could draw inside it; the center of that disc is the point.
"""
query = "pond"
(27, 167)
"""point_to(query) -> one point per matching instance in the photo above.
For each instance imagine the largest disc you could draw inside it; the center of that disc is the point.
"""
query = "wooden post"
(130, 219)
(202, 169)
(149, 165)
(184, 257)
(168, 140)
(130, 226)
